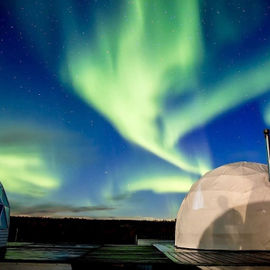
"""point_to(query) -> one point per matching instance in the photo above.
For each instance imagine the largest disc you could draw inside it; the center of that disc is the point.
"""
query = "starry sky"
(114, 108)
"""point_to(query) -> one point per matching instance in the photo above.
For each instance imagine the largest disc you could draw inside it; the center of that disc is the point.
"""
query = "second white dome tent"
(227, 209)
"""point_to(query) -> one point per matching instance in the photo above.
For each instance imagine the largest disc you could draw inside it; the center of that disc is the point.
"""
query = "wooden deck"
(126, 256)
(31, 252)
(85, 256)
(214, 258)
(160, 256)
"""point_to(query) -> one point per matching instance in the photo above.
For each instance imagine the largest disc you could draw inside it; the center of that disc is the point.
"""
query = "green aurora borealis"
(128, 102)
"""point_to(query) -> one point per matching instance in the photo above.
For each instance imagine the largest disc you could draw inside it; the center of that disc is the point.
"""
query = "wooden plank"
(184, 259)
(205, 259)
(214, 259)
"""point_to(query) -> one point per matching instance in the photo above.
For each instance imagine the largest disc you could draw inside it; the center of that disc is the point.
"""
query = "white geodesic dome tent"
(4, 217)
(227, 209)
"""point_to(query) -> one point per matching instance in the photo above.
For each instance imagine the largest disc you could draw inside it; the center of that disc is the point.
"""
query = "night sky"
(114, 108)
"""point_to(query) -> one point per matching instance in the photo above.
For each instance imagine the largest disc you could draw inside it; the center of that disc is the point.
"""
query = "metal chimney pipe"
(266, 135)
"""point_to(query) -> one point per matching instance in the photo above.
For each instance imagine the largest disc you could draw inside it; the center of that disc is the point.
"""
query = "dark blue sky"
(114, 108)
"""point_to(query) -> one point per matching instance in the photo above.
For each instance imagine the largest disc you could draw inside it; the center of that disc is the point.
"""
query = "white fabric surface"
(228, 208)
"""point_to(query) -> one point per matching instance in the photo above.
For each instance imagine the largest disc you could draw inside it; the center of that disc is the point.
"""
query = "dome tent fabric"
(4, 217)
(227, 209)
